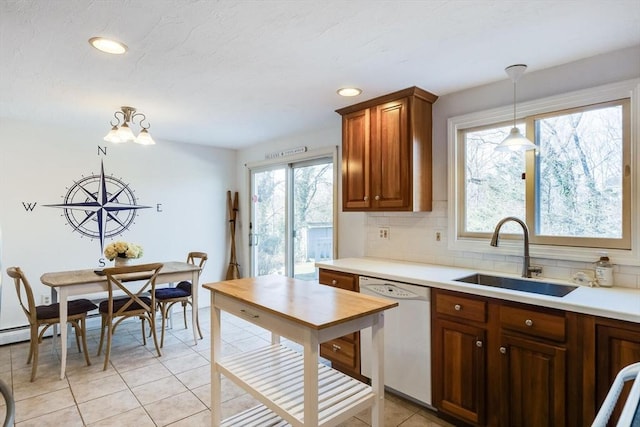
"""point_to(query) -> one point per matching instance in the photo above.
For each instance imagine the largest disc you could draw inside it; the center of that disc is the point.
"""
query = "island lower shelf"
(273, 375)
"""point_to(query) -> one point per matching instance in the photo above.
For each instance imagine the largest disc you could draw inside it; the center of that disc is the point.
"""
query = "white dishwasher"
(407, 338)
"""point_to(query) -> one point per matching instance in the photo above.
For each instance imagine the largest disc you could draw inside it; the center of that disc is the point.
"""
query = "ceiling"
(236, 73)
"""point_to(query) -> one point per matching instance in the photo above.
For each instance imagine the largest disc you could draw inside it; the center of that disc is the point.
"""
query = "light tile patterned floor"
(139, 389)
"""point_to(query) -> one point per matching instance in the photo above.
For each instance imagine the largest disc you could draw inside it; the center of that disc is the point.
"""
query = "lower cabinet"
(343, 352)
(499, 363)
(459, 355)
(532, 387)
(617, 344)
(459, 383)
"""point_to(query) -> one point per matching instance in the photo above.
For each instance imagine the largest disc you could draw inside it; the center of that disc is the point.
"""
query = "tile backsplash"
(413, 237)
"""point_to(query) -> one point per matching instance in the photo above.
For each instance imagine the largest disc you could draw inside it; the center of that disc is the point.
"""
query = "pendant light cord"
(514, 103)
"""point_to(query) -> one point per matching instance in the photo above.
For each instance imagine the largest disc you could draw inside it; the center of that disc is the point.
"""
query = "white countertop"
(615, 302)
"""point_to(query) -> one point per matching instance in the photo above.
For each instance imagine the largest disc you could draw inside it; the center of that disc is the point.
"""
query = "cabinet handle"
(377, 197)
(366, 198)
(503, 350)
(479, 344)
(334, 282)
(246, 313)
(528, 322)
(336, 347)
(457, 307)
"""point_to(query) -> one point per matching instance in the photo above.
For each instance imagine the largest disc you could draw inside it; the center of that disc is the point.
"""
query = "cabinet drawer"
(337, 279)
(461, 307)
(340, 351)
(545, 325)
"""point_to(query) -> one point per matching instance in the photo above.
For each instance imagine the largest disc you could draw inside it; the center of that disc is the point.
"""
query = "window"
(493, 187)
(580, 194)
(574, 191)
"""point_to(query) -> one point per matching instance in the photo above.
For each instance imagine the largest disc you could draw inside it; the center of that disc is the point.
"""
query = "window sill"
(559, 253)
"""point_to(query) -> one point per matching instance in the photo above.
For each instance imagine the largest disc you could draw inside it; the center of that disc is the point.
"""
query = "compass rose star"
(100, 206)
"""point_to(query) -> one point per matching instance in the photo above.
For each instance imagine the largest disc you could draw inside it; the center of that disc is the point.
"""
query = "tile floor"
(139, 389)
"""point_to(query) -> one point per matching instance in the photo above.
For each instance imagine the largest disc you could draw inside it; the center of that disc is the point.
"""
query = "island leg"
(377, 370)
(216, 346)
(310, 355)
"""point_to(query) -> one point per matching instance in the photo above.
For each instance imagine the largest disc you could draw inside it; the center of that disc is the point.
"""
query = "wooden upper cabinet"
(386, 153)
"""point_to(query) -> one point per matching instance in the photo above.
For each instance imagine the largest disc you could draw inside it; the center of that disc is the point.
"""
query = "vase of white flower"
(120, 261)
(122, 252)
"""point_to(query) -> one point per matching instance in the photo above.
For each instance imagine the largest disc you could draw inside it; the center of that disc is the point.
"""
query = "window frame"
(474, 242)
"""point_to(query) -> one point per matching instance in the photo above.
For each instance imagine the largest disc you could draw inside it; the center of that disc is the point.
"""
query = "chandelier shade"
(515, 141)
(121, 131)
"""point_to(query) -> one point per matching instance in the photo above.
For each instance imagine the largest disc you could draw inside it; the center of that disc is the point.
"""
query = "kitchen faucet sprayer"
(526, 268)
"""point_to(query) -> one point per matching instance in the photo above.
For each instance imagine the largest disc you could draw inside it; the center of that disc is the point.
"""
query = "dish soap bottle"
(604, 271)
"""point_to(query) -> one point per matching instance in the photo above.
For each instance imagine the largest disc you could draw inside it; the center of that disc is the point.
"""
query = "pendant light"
(515, 141)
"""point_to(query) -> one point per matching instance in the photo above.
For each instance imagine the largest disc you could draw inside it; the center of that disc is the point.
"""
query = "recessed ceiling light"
(108, 45)
(349, 91)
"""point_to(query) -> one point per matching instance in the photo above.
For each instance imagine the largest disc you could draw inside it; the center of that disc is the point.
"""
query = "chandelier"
(121, 131)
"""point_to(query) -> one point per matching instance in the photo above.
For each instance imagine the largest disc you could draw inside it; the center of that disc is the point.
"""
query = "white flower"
(122, 250)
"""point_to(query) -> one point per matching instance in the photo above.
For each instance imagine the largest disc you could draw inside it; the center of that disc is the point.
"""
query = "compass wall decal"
(99, 206)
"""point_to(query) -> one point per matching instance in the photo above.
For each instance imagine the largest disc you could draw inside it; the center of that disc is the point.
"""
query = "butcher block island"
(294, 388)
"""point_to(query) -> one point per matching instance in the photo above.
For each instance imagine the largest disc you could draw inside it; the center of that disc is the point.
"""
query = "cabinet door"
(459, 370)
(533, 383)
(391, 158)
(356, 193)
(616, 348)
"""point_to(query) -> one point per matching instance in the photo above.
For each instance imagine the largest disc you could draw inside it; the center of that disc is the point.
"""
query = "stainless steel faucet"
(526, 268)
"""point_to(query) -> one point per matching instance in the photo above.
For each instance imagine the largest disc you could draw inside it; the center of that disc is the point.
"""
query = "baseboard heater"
(21, 333)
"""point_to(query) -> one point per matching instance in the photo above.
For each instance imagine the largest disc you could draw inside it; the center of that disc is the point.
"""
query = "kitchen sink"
(532, 286)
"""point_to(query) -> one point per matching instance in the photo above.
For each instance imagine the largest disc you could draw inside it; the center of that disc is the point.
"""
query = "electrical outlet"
(383, 233)
(45, 299)
(438, 236)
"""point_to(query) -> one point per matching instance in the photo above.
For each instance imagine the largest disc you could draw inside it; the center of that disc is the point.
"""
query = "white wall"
(39, 163)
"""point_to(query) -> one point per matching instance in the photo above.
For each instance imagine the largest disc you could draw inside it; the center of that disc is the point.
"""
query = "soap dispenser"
(604, 271)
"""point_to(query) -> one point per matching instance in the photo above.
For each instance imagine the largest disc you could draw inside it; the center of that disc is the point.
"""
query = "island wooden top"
(79, 277)
(309, 303)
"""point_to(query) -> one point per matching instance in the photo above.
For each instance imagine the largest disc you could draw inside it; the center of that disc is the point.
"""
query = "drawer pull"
(528, 322)
(246, 313)
(457, 307)
(377, 197)
(336, 347)
(479, 344)
(503, 350)
(334, 282)
(366, 198)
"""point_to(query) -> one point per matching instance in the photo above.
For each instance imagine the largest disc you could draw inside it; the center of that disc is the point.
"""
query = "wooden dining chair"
(48, 315)
(139, 303)
(182, 293)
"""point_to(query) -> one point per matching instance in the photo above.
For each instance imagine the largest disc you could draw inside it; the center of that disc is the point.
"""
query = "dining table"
(65, 284)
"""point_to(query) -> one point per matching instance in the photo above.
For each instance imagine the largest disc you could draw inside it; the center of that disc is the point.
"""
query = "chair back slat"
(118, 277)
(23, 289)
(197, 258)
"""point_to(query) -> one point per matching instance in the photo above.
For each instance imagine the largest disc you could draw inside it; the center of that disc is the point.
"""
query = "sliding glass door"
(292, 209)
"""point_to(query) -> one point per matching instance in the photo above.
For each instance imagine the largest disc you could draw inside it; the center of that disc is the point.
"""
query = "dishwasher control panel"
(393, 290)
